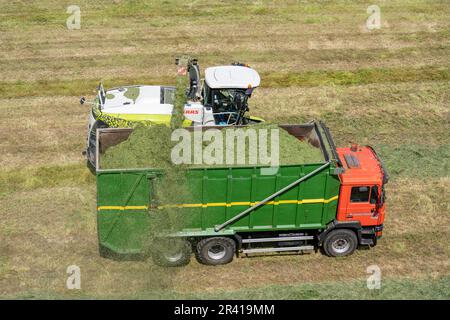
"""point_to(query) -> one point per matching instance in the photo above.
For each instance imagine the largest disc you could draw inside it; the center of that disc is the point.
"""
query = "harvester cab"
(226, 90)
(221, 98)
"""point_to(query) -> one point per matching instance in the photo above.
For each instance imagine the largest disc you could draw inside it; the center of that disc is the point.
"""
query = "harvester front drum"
(216, 251)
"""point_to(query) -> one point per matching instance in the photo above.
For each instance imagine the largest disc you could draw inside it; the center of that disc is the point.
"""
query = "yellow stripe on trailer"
(217, 204)
(331, 199)
(100, 208)
(312, 201)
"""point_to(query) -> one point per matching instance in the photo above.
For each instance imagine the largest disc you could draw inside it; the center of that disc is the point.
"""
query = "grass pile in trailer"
(150, 147)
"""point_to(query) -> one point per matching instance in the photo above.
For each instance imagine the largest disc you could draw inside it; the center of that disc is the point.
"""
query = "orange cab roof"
(361, 166)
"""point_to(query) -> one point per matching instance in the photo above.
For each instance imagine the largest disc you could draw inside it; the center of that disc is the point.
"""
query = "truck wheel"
(216, 250)
(340, 243)
(171, 252)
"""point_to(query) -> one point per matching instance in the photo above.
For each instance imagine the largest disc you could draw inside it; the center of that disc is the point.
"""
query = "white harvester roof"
(146, 100)
(231, 77)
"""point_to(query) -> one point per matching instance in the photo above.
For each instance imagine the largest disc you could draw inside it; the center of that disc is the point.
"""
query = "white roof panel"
(144, 100)
(231, 77)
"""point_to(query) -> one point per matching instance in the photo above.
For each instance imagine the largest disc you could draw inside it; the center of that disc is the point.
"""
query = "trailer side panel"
(218, 194)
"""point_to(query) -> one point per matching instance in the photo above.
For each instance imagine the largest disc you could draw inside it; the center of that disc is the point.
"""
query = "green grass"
(388, 88)
(416, 161)
(396, 289)
(272, 80)
(47, 12)
(358, 77)
(390, 289)
(132, 93)
(44, 177)
(214, 56)
(69, 87)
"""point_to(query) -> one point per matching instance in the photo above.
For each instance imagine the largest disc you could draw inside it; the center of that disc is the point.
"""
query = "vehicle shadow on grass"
(111, 255)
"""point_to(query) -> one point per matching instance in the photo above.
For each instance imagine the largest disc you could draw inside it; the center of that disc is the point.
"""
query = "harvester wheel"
(215, 251)
(171, 252)
(340, 243)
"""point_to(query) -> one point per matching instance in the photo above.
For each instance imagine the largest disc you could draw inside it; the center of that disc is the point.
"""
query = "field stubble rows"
(388, 88)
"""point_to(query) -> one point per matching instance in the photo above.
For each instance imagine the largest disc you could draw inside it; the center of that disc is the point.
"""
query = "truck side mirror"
(382, 197)
(374, 196)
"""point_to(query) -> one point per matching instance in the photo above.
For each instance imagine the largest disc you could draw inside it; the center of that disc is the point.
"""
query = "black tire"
(171, 252)
(340, 243)
(215, 251)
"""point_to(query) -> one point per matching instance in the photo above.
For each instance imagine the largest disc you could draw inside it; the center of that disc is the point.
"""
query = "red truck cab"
(361, 198)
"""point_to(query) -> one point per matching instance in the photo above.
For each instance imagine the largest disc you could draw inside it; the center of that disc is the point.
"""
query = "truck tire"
(216, 251)
(340, 243)
(171, 252)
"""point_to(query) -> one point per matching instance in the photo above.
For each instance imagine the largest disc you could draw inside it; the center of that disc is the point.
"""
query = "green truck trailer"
(336, 205)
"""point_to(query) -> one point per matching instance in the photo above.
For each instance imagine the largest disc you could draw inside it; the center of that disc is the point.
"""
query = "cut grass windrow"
(73, 87)
(43, 177)
(390, 289)
(180, 11)
(407, 160)
(402, 161)
(398, 289)
(286, 79)
(358, 77)
(213, 57)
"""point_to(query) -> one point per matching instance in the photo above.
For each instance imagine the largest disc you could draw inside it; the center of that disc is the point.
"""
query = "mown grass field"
(389, 88)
